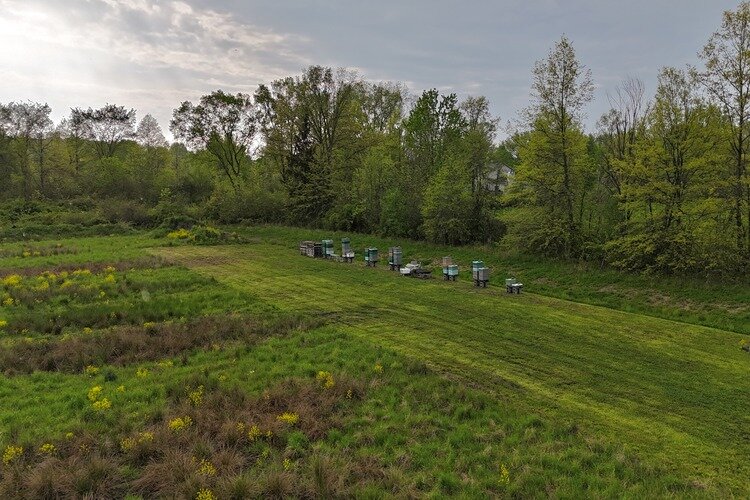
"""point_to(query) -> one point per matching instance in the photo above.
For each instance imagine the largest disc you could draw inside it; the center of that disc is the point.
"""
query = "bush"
(130, 211)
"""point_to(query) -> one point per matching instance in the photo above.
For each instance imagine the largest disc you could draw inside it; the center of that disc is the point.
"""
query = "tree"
(477, 148)
(107, 127)
(223, 124)
(76, 131)
(25, 121)
(669, 186)
(434, 126)
(620, 129)
(554, 159)
(311, 136)
(726, 78)
(448, 204)
(149, 134)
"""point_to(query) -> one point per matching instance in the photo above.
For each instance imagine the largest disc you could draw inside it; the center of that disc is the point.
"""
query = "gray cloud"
(152, 54)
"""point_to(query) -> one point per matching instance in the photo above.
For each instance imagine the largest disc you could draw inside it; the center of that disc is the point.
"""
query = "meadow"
(154, 366)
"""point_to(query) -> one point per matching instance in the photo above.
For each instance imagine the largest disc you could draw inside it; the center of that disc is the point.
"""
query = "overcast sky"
(153, 55)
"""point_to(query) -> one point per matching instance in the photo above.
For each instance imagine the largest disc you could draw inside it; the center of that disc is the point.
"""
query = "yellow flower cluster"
(196, 396)
(180, 234)
(102, 404)
(8, 301)
(207, 468)
(287, 463)
(180, 423)
(110, 279)
(3, 324)
(47, 449)
(94, 393)
(288, 418)
(141, 373)
(129, 443)
(205, 494)
(11, 453)
(325, 378)
(378, 368)
(91, 370)
(254, 433)
(12, 281)
(504, 475)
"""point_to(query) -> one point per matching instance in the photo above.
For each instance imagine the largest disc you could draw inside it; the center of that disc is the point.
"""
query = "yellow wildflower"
(504, 475)
(127, 444)
(196, 396)
(205, 494)
(47, 449)
(180, 423)
(109, 270)
(11, 453)
(207, 468)
(378, 368)
(141, 373)
(3, 324)
(87, 330)
(8, 301)
(69, 435)
(254, 433)
(91, 370)
(287, 464)
(13, 280)
(121, 388)
(110, 279)
(94, 393)
(146, 437)
(288, 418)
(325, 378)
(102, 404)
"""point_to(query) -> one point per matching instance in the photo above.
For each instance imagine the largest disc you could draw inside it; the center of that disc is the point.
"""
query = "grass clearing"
(413, 388)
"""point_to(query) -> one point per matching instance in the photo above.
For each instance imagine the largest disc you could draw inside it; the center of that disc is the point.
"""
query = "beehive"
(395, 257)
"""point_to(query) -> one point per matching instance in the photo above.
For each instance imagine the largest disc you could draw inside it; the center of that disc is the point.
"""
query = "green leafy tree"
(726, 78)
(554, 159)
(223, 124)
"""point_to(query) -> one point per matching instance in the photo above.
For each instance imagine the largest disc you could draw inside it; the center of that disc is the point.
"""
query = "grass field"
(391, 385)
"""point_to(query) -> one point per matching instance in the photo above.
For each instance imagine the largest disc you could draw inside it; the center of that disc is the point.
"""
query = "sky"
(152, 55)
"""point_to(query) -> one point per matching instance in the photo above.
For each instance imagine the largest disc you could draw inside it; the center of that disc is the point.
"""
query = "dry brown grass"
(127, 344)
(161, 462)
(146, 262)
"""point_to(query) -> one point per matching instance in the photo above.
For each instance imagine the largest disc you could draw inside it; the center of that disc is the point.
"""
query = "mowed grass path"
(674, 394)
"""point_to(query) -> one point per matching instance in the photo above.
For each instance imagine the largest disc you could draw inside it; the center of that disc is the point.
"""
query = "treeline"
(662, 185)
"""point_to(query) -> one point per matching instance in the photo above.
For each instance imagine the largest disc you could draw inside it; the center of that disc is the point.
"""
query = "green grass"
(669, 391)
(698, 300)
(573, 399)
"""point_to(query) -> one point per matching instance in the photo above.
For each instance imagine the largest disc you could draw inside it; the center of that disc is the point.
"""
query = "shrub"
(130, 211)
